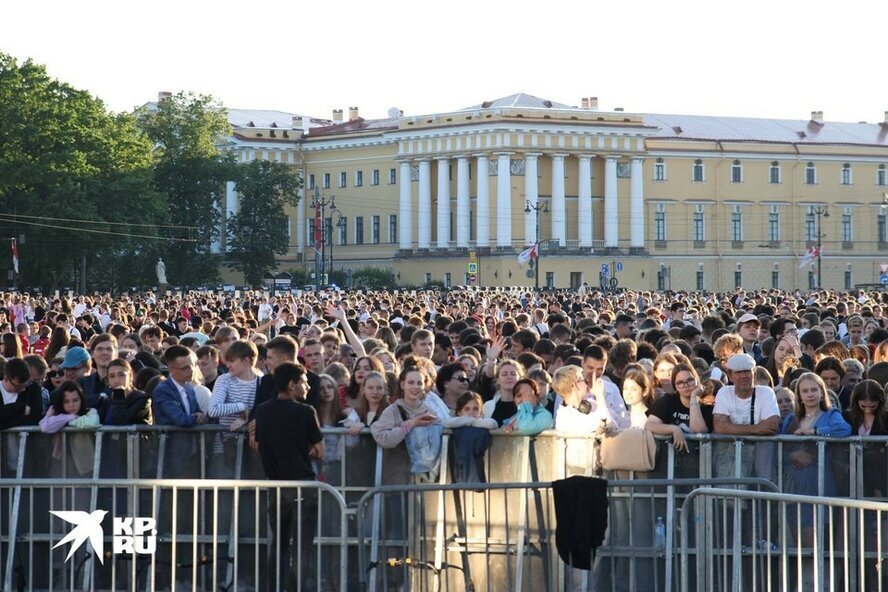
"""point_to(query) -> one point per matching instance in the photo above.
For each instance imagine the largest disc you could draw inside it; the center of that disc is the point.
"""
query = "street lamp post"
(320, 205)
(536, 208)
(820, 212)
(339, 224)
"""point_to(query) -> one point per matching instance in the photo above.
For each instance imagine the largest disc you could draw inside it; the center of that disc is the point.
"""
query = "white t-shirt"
(738, 410)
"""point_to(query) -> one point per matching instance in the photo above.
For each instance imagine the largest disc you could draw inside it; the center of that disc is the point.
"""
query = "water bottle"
(660, 533)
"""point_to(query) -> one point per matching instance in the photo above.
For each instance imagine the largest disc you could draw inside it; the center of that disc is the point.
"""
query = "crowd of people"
(410, 364)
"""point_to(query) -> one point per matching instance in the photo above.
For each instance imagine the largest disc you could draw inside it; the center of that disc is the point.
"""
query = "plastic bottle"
(660, 533)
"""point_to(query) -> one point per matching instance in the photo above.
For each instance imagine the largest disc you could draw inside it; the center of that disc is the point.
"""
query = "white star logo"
(87, 526)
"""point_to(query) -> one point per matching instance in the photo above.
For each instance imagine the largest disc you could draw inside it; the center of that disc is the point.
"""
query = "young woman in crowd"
(126, 405)
(362, 366)
(531, 417)
(502, 406)
(68, 409)
(638, 393)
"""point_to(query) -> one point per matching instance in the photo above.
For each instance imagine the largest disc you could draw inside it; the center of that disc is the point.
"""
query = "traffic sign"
(605, 268)
(472, 255)
(884, 267)
(619, 266)
(884, 280)
(473, 278)
(614, 282)
(473, 268)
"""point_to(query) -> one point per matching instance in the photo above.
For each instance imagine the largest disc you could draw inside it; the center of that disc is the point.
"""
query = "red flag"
(15, 256)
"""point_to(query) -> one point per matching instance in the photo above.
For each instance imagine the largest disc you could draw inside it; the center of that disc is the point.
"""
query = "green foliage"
(191, 171)
(258, 233)
(373, 278)
(68, 167)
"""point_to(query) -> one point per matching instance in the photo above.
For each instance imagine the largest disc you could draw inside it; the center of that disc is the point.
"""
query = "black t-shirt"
(503, 410)
(671, 412)
(285, 431)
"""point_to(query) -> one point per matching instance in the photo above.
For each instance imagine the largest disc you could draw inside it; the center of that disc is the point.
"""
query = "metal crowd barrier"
(772, 541)
(854, 467)
(207, 535)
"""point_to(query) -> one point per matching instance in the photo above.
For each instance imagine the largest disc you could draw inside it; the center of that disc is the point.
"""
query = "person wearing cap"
(743, 409)
(77, 363)
(748, 326)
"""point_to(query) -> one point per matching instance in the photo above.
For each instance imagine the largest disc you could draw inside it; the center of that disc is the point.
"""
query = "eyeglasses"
(686, 383)
(55, 373)
(461, 378)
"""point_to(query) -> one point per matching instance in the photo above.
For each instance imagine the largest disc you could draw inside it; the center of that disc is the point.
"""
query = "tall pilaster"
(559, 218)
(424, 213)
(463, 220)
(482, 207)
(611, 216)
(443, 203)
(405, 211)
(636, 204)
(503, 200)
(584, 201)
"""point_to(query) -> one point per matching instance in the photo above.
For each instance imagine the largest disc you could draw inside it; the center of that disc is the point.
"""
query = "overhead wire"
(101, 222)
(3, 218)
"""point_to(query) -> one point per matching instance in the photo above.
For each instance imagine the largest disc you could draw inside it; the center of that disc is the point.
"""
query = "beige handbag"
(633, 449)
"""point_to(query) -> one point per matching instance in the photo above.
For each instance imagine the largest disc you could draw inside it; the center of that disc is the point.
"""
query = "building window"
(698, 171)
(659, 170)
(326, 180)
(699, 230)
(736, 224)
(774, 225)
(342, 179)
(359, 230)
(810, 225)
(661, 278)
(810, 174)
(447, 280)
(847, 236)
(847, 177)
(428, 278)
(700, 287)
(774, 173)
(328, 231)
(343, 230)
(660, 223)
(738, 279)
(880, 228)
(393, 228)
(375, 230)
(311, 181)
(374, 177)
(550, 280)
(847, 279)
(393, 176)
(775, 279)
(881, 176)
(812, 284)
(359, 178)
(736, 172)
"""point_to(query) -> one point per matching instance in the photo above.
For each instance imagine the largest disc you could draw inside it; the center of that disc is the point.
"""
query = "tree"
(258, 233)
(191, 171)
(75, 179)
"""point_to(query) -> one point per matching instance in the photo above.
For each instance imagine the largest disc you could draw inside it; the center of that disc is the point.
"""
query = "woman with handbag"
(679, 414)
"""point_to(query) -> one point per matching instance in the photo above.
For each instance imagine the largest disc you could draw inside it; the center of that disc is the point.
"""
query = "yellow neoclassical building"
(663, 201)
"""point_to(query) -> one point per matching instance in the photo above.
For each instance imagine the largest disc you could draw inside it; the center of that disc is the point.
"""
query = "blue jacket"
(830, 423)
(168, 407)
(530, 420)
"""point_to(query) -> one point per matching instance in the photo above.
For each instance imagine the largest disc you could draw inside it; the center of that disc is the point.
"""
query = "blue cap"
(74, 357)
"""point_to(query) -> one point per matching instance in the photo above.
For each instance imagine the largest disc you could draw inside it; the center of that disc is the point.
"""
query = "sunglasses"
(461, 378)
(55, 373)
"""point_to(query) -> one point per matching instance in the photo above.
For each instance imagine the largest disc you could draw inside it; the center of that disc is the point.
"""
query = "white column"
(531, 194)
(559, 218)
(405, 211)
(482, 207)
(443, 203)
(463, 232)
(636, 204)
(230, 205)
(300, 217)
(611, 218)
(584, 201)
(503, 200)
(424, 213)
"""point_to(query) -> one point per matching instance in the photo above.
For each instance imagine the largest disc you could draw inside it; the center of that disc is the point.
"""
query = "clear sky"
(776, 58)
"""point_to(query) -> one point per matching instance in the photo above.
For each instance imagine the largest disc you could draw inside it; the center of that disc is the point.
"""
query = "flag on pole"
(527, 254)
(15, 256)
(810, 257)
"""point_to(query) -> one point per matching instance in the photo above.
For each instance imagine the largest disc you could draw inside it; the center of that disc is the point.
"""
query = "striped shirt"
(231, 397)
